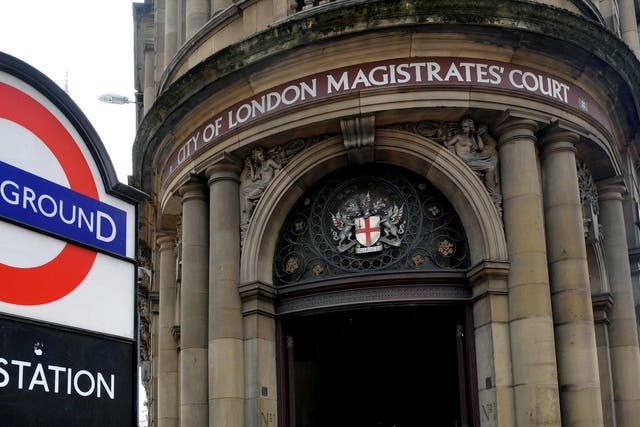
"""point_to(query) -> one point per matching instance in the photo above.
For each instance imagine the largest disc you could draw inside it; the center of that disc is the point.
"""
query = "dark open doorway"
(382, 367)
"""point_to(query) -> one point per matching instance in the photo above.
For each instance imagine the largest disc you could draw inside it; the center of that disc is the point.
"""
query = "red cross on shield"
(368, 230)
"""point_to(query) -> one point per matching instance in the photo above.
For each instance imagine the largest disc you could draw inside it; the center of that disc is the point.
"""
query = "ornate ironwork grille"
(369, 219)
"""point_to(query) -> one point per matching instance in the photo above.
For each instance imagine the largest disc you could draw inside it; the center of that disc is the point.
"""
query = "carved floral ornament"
(589, 201)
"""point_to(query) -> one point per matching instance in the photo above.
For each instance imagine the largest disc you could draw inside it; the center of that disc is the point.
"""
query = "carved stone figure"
(478, 150)
(260, 168)
(589, 200)
(476, 147)
(258, 172)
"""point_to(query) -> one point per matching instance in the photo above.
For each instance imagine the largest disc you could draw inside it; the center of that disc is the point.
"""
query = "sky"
(87, 46)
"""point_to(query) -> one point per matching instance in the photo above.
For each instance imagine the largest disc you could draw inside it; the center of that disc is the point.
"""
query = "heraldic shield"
(368, 230)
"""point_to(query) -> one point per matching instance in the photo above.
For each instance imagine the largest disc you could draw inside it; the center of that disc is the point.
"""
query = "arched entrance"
(480, 288)
(389, 366)
(373, 311)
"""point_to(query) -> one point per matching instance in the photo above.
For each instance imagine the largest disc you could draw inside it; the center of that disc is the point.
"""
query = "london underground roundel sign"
(68, 241)
(56, 278)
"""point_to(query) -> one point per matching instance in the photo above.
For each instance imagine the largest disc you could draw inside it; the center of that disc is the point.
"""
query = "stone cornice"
(576, 40)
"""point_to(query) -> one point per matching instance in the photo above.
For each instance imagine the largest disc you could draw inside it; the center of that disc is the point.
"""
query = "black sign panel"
(53, 377)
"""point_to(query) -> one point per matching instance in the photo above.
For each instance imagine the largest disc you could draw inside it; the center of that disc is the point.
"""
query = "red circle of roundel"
(61, 275)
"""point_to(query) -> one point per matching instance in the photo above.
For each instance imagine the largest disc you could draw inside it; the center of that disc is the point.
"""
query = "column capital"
(489, 278)
(166, 241)
(257, 298)
(558, 136)
(488, 270)
(192, 189)
(611, 188)
(602, 304)
(257, 289)
(223, 167)
(510, 128)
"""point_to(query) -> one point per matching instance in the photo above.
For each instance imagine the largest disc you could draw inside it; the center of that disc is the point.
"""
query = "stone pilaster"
(198, 12)
(168, 398)
(623, 334)
(149, 83)
(628, 25)
(194, 312)
(226, 345)
(170, 31)
(634, 261)
(260, 354)
(159, 31)
(602, 304)
(535, 376)
(576, 350)
(493, 348)
(155, 347)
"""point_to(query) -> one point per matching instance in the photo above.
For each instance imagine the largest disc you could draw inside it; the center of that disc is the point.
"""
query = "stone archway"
(480, 219)
(443, 169)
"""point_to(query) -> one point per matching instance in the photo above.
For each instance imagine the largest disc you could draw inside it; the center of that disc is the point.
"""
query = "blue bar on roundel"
(37, 202)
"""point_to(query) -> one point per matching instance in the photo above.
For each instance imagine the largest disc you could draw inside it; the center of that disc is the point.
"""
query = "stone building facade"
(389, 213)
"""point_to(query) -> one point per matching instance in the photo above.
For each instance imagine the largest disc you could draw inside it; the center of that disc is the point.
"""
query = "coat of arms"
(367, 225)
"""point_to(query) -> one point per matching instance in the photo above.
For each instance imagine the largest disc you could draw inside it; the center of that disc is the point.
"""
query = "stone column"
(493, 349)
(226, 353)
(533, 355)
(628, 25)
(578, 375)
(168, 399)
(170, 31)
(623, 335)
(194, 312)
(197, 15)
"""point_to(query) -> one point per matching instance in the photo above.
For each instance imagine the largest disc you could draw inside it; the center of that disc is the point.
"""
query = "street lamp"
(111, 98)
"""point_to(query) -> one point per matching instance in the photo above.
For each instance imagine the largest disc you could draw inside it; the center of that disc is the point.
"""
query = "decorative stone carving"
(144, 287)
(478, 150)
(359, 137)
(144, 309)
(374, 295)
(589, 201)
(258, 172)
(367, 224)
(369, 218)
(475, 146)
(260, 168)
(177, 249)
